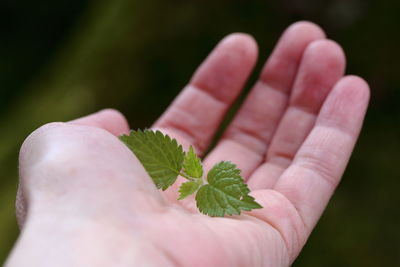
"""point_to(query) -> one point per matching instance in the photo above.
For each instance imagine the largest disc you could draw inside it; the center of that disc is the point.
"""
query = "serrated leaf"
(192, 164)
(189, 188)
(225, 193)
(160, 155)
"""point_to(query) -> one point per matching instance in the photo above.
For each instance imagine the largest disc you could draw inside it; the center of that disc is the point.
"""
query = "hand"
(85, 200)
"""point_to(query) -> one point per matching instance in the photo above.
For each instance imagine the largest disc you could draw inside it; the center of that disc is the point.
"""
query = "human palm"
(292, 137)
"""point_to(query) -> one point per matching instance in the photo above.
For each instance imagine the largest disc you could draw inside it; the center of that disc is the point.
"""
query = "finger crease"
(318, 167)
(304, 109)
(256, 143)
(280, 158)
(282, 90)
(220, 100)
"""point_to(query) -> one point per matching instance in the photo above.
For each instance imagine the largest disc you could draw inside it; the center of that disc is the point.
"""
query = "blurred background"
(67, 58)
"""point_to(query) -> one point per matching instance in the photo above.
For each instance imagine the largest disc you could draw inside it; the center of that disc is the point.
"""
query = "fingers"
(110, 120)
(246, 139)
(321, 67)
(319, 164)
(196, 113)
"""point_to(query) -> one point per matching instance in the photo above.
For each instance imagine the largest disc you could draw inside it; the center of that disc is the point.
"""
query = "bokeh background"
(67, 58)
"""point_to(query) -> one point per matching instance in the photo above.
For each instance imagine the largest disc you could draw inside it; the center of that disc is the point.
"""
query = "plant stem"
(187, 177)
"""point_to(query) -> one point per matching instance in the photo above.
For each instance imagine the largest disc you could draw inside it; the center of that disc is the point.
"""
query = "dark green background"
(63, 59)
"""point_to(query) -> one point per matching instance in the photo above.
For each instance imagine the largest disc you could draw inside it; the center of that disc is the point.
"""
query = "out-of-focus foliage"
(63, 59)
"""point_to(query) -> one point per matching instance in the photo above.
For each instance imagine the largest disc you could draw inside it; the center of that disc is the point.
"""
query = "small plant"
(164, 159)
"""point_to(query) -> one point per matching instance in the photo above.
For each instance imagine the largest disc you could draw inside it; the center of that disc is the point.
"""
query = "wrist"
(73, 241)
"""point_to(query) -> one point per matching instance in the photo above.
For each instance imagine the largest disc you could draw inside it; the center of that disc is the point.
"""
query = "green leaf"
(192, 164)
(189, 188)
(225, 193)
(160, 155)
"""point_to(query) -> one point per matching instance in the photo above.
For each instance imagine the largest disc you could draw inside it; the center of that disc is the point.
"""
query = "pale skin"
(85, 200)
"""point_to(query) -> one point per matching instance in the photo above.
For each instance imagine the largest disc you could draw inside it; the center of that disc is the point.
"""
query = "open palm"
(292, 139)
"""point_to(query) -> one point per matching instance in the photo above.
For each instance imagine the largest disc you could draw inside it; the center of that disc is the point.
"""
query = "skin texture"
(85, 200)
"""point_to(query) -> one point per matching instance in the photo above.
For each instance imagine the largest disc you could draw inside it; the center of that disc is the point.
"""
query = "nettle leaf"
(164, 159)
(189, 188)
(160, 155)
(192, 164)
(225, 193)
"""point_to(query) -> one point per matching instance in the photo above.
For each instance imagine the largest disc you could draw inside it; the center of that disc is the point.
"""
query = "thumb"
(75, 182)
(74, 165)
